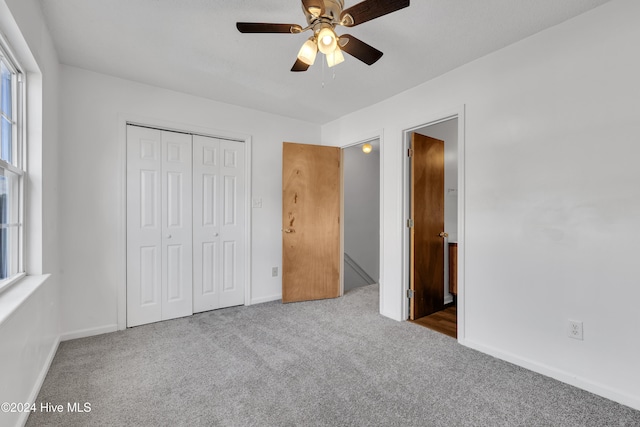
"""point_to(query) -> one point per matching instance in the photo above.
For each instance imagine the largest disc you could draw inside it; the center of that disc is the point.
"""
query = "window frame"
(17, 166)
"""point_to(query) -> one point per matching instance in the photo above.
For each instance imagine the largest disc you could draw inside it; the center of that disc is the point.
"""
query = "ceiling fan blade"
(314, 7)
(359, 49)
(371, 9)
(299, 66)
(261, 27)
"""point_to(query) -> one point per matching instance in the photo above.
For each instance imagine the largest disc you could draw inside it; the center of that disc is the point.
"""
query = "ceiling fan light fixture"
(308, 51)
(334, 58)
(347, 20)
(315, 11)
(327, 40)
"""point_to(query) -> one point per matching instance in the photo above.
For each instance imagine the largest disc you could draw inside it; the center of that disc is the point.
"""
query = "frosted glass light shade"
(335, 58)
(367, 148)
(308, 52)
(327, 41)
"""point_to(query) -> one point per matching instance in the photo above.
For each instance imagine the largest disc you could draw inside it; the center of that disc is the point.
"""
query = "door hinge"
(410, 152)
(410, 223)
(410, 293)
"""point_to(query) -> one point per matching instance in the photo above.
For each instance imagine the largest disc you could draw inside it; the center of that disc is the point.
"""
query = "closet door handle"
(168, 236)
(216, 234)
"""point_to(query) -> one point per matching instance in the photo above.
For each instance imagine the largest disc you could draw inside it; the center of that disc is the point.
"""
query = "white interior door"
(159, 225)
(177, 283)
(144, 226)
(218, 223)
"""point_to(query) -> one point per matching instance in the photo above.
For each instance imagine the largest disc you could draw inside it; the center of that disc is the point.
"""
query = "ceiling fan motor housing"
(332, 11)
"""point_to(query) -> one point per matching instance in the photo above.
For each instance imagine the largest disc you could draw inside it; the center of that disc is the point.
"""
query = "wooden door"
(311, 206)
(427, 212)
(218, 223)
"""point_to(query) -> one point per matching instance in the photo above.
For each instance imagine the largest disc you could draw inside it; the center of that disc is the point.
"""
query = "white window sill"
(18, 293)
(7, 283)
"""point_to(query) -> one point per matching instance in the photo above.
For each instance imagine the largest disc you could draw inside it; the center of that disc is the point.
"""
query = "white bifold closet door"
(218, 223)
(159, 225)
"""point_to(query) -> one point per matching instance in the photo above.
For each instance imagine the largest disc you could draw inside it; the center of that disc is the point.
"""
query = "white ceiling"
(193, 46)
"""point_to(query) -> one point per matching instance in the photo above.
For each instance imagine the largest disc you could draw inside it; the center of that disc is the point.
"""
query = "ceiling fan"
(322, 18)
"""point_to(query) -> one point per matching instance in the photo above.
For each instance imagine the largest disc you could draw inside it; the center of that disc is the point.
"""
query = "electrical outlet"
(575, 330)
(274, 272)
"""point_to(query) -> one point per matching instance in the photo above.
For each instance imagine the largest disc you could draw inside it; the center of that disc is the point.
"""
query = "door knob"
(443, 234)
(168, 236)
(216, 234)
(289, 230)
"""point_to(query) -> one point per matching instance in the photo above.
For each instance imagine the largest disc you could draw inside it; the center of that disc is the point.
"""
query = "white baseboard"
(266, 299)
(558, 374)
(40, 380)
(88, 332)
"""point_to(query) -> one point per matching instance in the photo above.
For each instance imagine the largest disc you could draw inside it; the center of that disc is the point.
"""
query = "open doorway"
(433, 228)
(361, 184)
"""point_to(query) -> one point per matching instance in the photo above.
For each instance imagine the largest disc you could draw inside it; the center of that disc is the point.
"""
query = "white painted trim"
(266, 299)
(121, 303)
(462, 185)
(369, 136)
(16, 295)
(22, 420)
(123, 120)
(459, 113)
(381, 231)
(89, 332)
(610, 393)
(406, 212)
(248, 194)
(6, 283)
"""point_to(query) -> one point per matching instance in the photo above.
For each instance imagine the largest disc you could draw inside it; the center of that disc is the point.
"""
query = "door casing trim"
(453, 113)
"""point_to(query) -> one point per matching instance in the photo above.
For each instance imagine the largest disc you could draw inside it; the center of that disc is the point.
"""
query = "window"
(11, 168)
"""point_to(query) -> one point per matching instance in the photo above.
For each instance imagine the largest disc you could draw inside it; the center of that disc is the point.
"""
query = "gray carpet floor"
(323, 363)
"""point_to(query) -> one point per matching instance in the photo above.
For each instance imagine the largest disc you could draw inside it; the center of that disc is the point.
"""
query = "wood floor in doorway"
(444, 321)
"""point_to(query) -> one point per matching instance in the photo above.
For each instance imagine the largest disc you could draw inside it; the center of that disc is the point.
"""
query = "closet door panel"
(219, 223)
(232, 228)
(144, 225)
(177, 299)
(206, 226)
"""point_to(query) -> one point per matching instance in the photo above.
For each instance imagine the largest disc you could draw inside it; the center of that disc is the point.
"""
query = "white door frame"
(458, 113)
(129, 119)
(379, 135)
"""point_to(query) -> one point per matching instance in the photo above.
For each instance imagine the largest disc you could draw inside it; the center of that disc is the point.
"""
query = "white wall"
(552, 199)
(362, 208)
(29, 335)
(92, 185)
